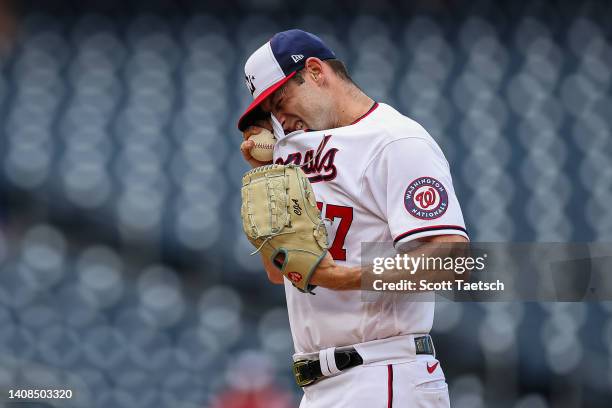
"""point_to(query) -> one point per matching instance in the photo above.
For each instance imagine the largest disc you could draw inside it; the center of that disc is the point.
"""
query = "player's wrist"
(349, 277)
(337, 277)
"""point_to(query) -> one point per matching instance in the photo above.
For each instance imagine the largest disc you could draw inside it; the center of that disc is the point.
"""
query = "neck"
(351, 105)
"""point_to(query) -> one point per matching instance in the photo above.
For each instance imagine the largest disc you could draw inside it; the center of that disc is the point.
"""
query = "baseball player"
(377, 176)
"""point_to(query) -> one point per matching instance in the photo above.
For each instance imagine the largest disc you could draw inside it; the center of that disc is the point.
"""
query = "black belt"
(307, 372)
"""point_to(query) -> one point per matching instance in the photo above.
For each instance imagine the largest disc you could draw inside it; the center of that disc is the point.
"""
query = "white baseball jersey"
(381, 179)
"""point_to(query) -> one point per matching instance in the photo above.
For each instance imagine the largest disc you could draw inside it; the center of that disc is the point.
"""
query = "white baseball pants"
(416, 384)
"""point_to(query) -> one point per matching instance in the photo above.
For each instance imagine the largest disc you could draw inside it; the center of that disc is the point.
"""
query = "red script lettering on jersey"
(321, 162)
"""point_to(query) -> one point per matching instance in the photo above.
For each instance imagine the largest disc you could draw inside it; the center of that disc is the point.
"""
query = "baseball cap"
(275, 62)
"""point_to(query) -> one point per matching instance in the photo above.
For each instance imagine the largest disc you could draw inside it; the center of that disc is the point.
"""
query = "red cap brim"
(243, 122)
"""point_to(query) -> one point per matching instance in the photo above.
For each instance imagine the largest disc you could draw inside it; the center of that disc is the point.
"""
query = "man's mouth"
(298, 125)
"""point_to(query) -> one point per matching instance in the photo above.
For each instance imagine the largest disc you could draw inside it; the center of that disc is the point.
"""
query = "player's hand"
(247, 145)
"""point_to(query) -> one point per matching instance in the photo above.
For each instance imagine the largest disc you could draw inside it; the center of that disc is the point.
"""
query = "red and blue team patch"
(426, 198)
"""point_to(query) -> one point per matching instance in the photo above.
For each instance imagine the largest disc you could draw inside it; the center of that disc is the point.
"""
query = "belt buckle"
(302, 382)
(424, 345)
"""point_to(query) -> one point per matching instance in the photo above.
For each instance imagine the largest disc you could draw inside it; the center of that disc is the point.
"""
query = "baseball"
(264, 145)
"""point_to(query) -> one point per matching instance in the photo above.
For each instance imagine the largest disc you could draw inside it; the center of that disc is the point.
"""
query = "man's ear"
(314, 69)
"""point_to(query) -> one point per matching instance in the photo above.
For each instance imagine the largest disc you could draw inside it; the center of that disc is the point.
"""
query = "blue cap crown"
(270, 66)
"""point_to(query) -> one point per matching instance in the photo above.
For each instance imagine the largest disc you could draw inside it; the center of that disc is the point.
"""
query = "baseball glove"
(281, 219)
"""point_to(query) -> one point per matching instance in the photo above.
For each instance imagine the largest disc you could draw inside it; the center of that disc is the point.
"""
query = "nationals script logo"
(426, 198)
(321, 163)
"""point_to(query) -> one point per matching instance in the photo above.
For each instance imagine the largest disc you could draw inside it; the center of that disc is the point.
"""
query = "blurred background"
(124, 274)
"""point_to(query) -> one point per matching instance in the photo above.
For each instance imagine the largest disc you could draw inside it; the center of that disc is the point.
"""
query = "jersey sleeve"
(410, 183)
